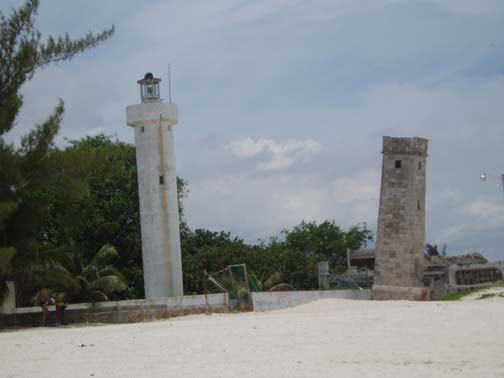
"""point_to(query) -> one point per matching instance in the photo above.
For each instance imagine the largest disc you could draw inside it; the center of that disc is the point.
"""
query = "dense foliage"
(26, 172)
(294, 254)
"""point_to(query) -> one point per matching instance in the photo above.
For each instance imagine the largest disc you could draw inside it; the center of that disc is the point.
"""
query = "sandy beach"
(328, 338)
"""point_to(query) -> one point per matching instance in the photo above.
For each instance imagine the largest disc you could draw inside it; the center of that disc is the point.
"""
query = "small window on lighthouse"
(142, 129)
(161, 180)
(398, 163)
(419, 165)
(418, 205)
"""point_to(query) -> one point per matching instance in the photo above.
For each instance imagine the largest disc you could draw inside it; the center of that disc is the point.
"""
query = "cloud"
(450, 194)
(357, 196)
(275, 155)
(451, 234)
(487, 213)
(478, 228)
(489, 8)
(95, 131)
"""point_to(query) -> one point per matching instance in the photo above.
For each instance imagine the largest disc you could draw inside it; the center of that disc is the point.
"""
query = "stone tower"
(152, 121)
(400, 238)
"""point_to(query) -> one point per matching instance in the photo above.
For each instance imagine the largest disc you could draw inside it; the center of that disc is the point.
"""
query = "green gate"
(235, 280)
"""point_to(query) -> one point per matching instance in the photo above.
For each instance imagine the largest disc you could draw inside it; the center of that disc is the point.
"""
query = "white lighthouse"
(153, 121)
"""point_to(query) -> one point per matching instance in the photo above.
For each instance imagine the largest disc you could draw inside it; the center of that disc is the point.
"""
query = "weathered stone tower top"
(400, 237)
(405, 146)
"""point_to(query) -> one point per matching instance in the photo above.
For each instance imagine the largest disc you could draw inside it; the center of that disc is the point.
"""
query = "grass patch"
(487, 295)
(458, 295)
(461, 294)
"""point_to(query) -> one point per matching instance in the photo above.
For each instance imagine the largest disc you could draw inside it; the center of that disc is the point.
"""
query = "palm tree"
(68, 276)
(431, 250)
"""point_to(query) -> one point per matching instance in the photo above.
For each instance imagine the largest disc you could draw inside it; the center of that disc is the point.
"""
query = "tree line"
(94, 203)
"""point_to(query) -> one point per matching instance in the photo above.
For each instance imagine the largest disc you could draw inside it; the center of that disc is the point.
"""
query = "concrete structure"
(442, 274)
(362, 258)
(352, 278)
(454, 278)
(275, 300)
(400, 238)
(129, 311)
(152, 121)
(9, 303)
(323, 275)
(475, 274)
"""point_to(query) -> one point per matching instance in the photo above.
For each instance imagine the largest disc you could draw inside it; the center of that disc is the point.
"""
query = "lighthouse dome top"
(149, 88)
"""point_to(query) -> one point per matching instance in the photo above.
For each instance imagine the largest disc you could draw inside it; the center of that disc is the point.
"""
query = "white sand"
(328, 338)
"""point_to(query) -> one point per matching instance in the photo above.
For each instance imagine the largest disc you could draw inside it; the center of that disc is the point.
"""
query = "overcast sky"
(283, 104)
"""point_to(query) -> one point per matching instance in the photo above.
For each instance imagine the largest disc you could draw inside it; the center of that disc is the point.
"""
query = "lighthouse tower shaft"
(157, 189)
(400, 238)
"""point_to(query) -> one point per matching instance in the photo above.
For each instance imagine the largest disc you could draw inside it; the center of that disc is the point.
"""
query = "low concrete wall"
(129, 311)
(274, 300)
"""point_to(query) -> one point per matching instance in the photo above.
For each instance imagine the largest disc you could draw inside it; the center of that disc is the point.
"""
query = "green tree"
(207, 250)
(30, 167)
(79, 280)
(326, 239)
(22, 52)
(431, 250)
(293, 256)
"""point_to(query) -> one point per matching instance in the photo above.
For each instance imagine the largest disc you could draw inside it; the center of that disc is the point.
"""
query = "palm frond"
(90, 272)
(82, 284)
(108, 285)
(104, 256)
(109, 270)
(273, 280)
(281, 287)
(97, 296)
(58, 255)
(54, 276)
